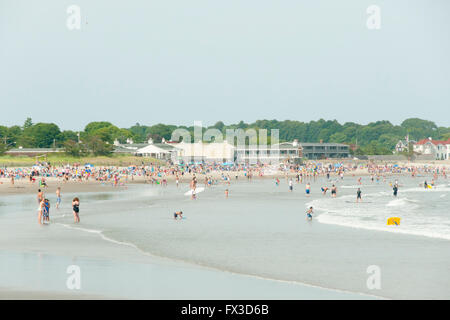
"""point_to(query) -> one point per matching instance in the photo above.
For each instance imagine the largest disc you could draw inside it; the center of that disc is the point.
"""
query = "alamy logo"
(252, 146)
(374, 19)
(74, 280)
(74, 19)
(374, 280)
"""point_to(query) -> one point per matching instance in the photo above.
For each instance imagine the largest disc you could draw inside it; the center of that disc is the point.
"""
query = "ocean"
(261, 230)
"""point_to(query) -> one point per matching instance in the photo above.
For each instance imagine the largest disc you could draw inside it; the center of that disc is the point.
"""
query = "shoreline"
(18, 294)
(23, 186)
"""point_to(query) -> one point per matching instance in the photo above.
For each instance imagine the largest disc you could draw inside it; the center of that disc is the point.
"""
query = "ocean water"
(423, 212)
(261, 230)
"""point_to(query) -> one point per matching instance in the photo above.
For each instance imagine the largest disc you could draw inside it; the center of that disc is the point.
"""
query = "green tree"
(419, 129)
(28, 123)
(94, 126)
(3, 148)
(68, 135)
(339, 137)
(97, 147)
(73, 148)
(42, 135)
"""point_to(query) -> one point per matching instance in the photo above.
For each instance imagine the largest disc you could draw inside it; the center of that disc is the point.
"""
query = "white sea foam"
(100, 233)
(402, 202)
(417, 218)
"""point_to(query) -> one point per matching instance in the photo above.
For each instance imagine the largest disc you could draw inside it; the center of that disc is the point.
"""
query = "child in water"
(46, 211)
(178, 214)
(308, 189)
(309, 213)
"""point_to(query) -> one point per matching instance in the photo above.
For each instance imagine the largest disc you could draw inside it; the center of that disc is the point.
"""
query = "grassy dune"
(62, 159)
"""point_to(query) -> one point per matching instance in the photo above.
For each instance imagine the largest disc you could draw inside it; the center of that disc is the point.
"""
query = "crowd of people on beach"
(158, 174)
(214, 174)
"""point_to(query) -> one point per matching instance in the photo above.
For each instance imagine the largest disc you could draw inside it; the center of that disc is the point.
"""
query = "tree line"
(97, 138)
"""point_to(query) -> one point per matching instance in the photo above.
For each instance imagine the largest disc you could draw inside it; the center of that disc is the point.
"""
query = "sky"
(176, 61)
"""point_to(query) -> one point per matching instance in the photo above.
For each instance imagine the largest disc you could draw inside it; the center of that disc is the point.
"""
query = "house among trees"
(403, 145)
(440, 149)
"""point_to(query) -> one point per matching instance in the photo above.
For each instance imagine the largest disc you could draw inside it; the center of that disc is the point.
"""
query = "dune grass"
(63, 159)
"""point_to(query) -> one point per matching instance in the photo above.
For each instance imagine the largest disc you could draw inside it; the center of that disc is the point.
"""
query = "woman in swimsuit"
(76, 209)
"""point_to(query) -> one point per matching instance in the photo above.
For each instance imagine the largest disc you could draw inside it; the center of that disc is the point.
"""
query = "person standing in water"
(46, 210)
(395, 190)
(41, 211)
(58, 197)
(193, 187)
(40, 196)
(291, 185)
(309, 213)
(76, 209)
(358, 195)
(226, 193)
(308, 189)
(333, 191)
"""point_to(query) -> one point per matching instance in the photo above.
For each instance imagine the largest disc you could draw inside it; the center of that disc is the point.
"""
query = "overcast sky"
(176, 61)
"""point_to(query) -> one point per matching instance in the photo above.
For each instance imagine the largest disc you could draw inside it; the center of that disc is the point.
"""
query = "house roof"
(155, 148)
(435, 142)
(132, 146)
(165, 146)
(120, 149)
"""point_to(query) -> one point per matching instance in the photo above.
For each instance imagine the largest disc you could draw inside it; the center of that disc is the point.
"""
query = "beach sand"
(11, 294)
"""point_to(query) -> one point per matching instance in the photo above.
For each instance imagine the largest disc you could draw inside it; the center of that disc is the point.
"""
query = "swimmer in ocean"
(309, 213)
(178, 214)
(333, 191)
(358, 195)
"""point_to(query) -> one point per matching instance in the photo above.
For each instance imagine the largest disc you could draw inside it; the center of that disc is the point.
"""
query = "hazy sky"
(176, 61)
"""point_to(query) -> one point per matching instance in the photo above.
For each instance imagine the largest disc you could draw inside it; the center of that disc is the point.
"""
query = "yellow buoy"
(393, 221)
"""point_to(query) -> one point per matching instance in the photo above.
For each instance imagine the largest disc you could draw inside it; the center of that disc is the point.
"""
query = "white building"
(438, 148)
(210, 152)
(271, 154)
(161, 151)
